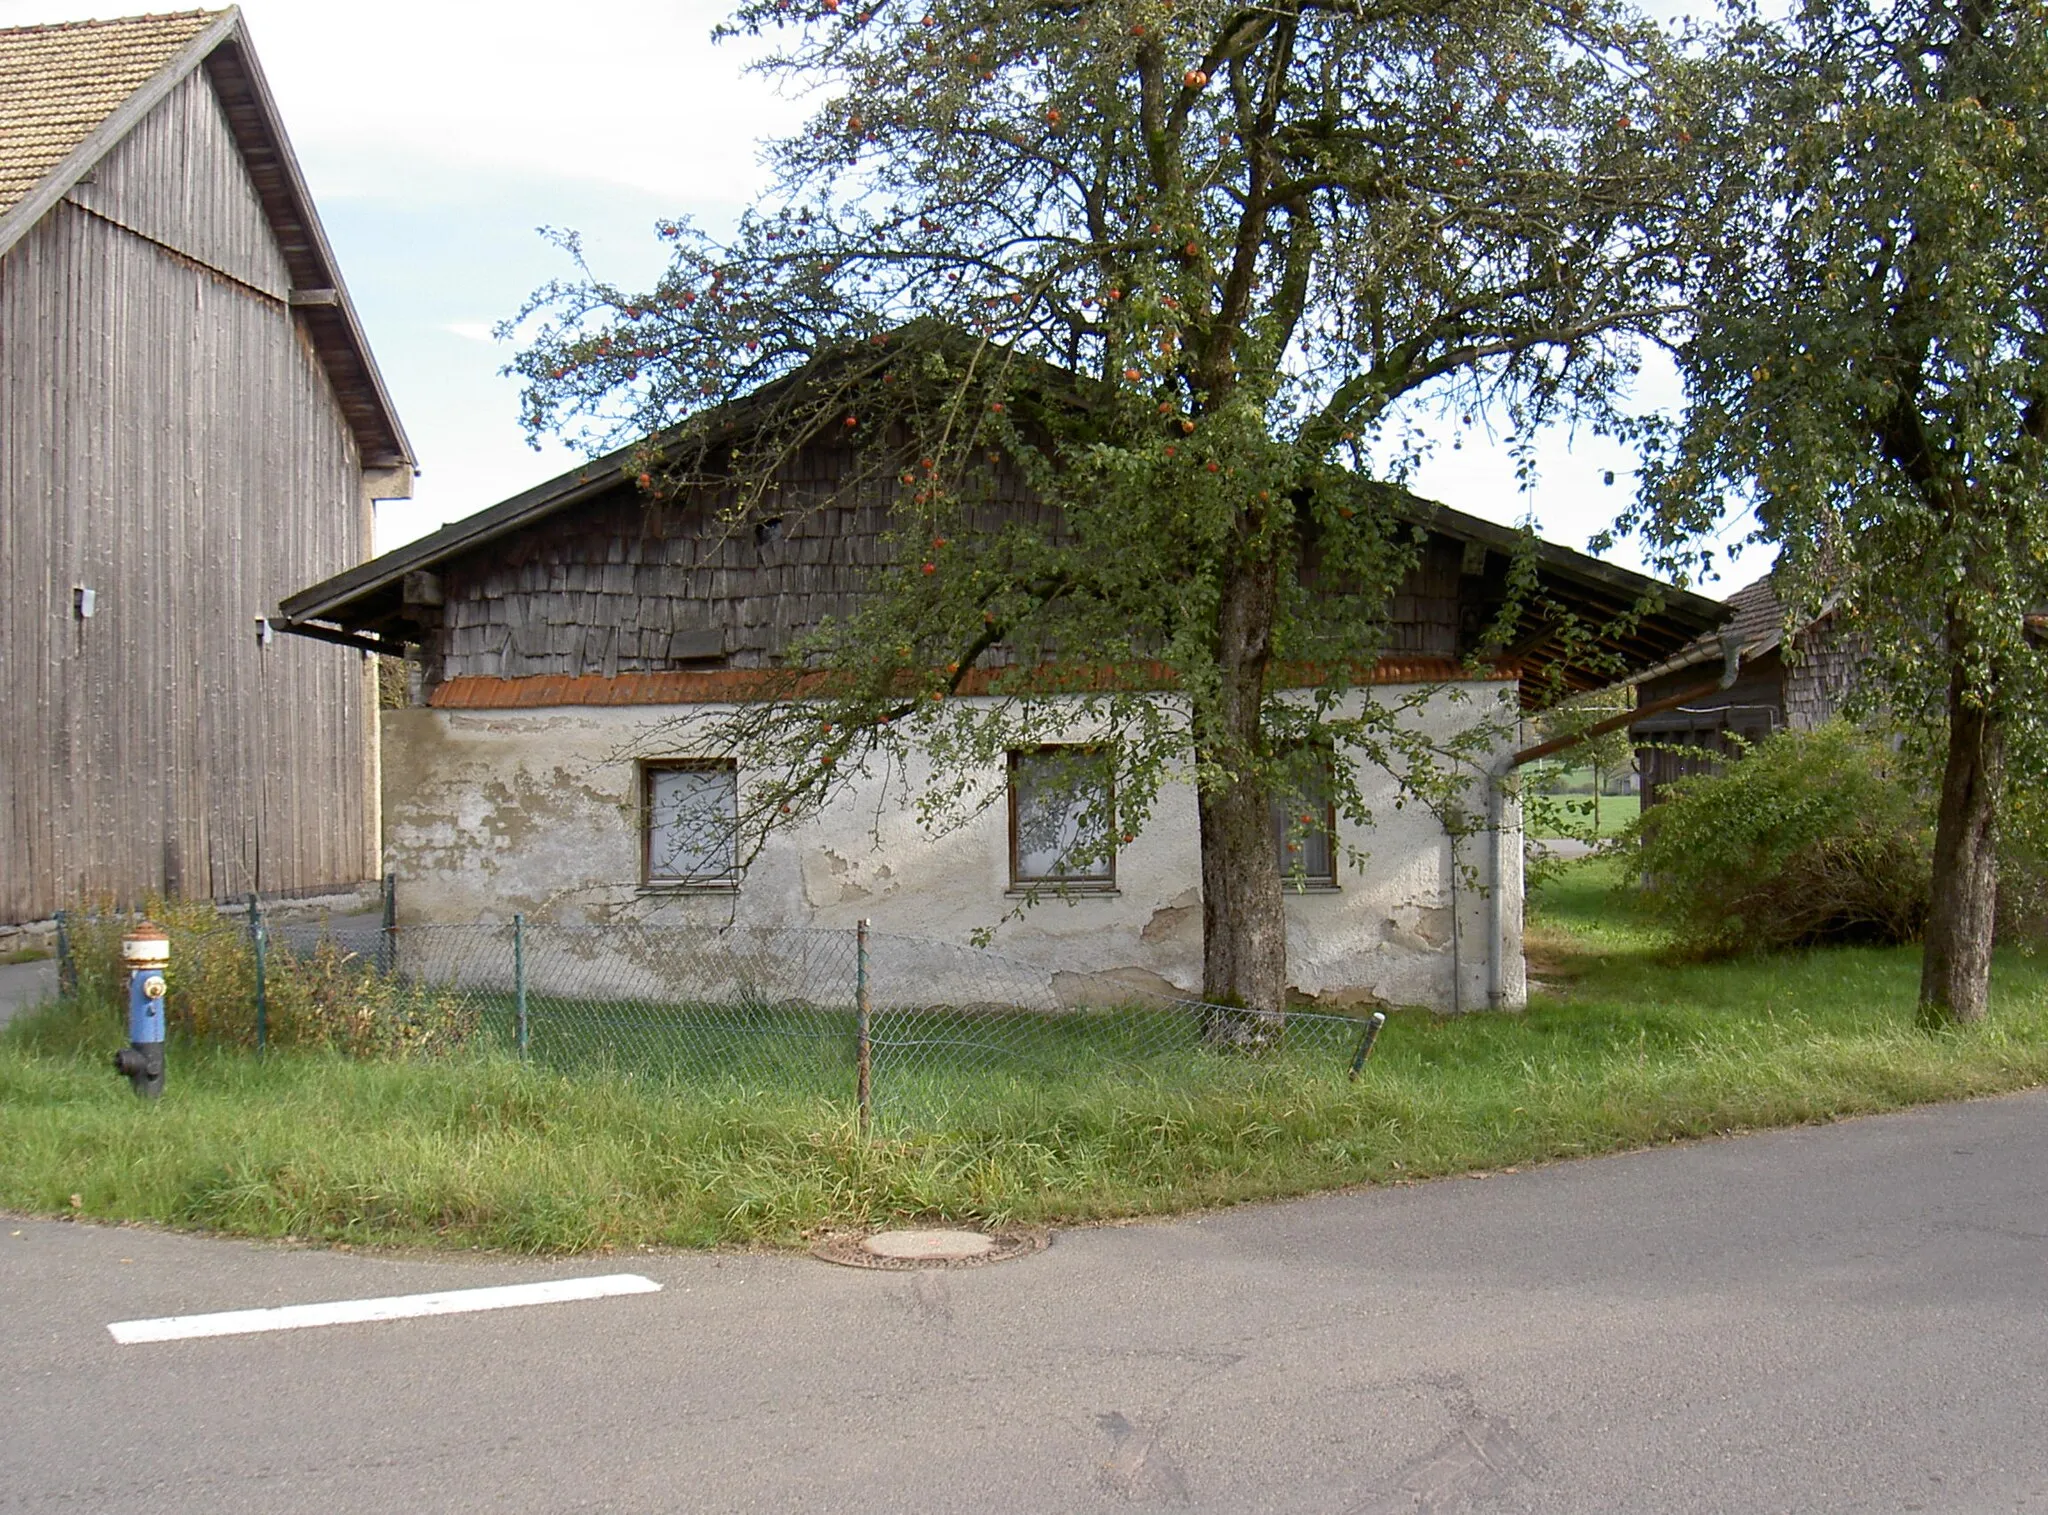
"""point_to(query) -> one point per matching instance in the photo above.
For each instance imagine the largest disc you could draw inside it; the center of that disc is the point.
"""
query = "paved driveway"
(23, 985)
(1852, 1318)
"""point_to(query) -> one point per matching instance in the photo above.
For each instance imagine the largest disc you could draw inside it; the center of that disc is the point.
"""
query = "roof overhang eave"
(332, 599)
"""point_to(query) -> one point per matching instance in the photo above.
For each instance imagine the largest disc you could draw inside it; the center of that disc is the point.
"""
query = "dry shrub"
(326, 998)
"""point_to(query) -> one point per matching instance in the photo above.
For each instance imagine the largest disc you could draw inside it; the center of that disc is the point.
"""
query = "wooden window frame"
(723, 884)
(1305, 882)
(1102, 884)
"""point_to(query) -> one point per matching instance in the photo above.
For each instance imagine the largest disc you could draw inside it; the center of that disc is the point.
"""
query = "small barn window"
(1062, 809)
(691, 814)
(1305, 827)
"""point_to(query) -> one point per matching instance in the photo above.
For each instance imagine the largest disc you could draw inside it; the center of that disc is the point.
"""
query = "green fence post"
(258, 941)
(863, 1046)
(387, 941)
(519, 975)
(1365, 1041)
(67, 971)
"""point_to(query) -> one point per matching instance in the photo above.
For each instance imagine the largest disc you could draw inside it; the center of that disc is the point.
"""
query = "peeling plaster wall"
(491, 812)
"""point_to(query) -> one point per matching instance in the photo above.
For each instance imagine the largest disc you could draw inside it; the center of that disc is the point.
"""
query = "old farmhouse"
(565, 636)
(191, 424)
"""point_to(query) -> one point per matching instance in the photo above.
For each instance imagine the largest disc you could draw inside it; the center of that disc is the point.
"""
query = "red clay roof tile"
(724, 685)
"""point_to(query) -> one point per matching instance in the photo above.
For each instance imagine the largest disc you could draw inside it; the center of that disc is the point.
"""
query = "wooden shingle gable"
(589, 577)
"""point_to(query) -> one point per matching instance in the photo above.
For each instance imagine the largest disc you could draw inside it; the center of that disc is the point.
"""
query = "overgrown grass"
(476, 1149)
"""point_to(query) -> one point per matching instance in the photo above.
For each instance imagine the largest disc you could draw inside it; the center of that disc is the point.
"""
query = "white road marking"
(397, 1307)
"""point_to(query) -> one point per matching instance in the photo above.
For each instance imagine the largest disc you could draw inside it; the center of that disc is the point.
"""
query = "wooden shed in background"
(1787, 679)
(191, 425)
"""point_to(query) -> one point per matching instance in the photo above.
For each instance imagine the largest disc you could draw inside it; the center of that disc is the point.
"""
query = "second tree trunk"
(1955, 965)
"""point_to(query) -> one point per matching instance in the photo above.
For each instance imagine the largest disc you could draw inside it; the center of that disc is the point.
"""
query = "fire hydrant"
(145, 952)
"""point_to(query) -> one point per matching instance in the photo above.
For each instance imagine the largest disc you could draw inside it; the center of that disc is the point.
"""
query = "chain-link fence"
(899, 1026)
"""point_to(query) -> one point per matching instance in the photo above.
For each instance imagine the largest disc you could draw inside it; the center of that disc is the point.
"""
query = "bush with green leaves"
(323, 997)
(1811, 837)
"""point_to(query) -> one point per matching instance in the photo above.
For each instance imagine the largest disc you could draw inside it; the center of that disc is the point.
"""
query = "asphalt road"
(1848, 1318)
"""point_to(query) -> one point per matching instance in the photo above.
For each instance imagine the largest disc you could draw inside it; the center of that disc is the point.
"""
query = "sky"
(439, 137)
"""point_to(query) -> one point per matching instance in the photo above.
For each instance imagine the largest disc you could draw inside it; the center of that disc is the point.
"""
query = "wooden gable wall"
(169, 439)
(1821, 674)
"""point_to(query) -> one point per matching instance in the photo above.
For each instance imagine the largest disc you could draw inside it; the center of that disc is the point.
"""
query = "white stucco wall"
(538, 811)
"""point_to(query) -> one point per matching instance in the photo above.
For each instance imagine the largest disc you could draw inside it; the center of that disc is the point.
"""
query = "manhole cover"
(930, 1246)
(938, 1248)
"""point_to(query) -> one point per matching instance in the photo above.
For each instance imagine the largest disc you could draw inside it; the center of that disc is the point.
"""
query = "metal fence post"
(67, 971)
(1457, 953)
(863, 1050)
(1371, 1035)
(519, 975)
(387, 941)
(258, 941)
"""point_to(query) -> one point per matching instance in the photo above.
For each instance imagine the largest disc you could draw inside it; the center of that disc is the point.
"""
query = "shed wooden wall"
(624, 584)
(1695, 738)
(1775, 693)
(169, 439)
(1820, 674)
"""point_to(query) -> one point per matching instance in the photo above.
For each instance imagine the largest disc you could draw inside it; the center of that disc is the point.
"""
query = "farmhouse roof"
(70, 92)
(370, 594)
(1756, 624)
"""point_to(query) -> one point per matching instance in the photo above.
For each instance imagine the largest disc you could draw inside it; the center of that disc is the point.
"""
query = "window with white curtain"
(1062, 815)
(692, 823)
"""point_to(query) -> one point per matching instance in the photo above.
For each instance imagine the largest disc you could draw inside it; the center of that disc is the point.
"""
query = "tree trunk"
(1244, 929)
(1955, 965)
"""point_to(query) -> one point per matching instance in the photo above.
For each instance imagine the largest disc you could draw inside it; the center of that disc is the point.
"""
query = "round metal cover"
(949, 1247)
(930, 1246)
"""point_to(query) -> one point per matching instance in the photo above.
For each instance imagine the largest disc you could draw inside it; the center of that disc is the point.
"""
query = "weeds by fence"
(904, 1028)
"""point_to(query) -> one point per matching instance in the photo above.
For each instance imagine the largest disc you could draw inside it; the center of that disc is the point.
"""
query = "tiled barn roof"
(58, 83)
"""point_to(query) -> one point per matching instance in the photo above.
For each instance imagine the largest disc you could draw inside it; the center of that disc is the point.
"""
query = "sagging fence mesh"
(899, 1026)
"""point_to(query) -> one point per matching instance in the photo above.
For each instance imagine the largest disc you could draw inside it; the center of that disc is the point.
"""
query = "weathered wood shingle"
(620, 586)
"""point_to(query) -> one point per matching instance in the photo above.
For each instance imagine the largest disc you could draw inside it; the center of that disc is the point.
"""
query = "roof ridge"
(104, 21)
(62, 82)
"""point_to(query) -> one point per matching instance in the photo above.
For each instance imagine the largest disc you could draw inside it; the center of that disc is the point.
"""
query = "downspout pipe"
(1496, 803)
(1496, 818)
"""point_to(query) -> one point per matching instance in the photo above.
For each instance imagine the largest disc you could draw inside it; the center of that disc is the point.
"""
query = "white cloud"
(472, 331)
(630, 92)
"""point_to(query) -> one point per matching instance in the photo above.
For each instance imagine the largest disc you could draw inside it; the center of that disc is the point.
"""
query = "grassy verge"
(479, 1150)
(1617, 812)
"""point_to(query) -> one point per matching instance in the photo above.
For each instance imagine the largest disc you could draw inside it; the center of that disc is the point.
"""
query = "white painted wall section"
(539, 811)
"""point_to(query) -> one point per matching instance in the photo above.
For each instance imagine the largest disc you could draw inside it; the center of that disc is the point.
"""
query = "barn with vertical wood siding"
(191, 425)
